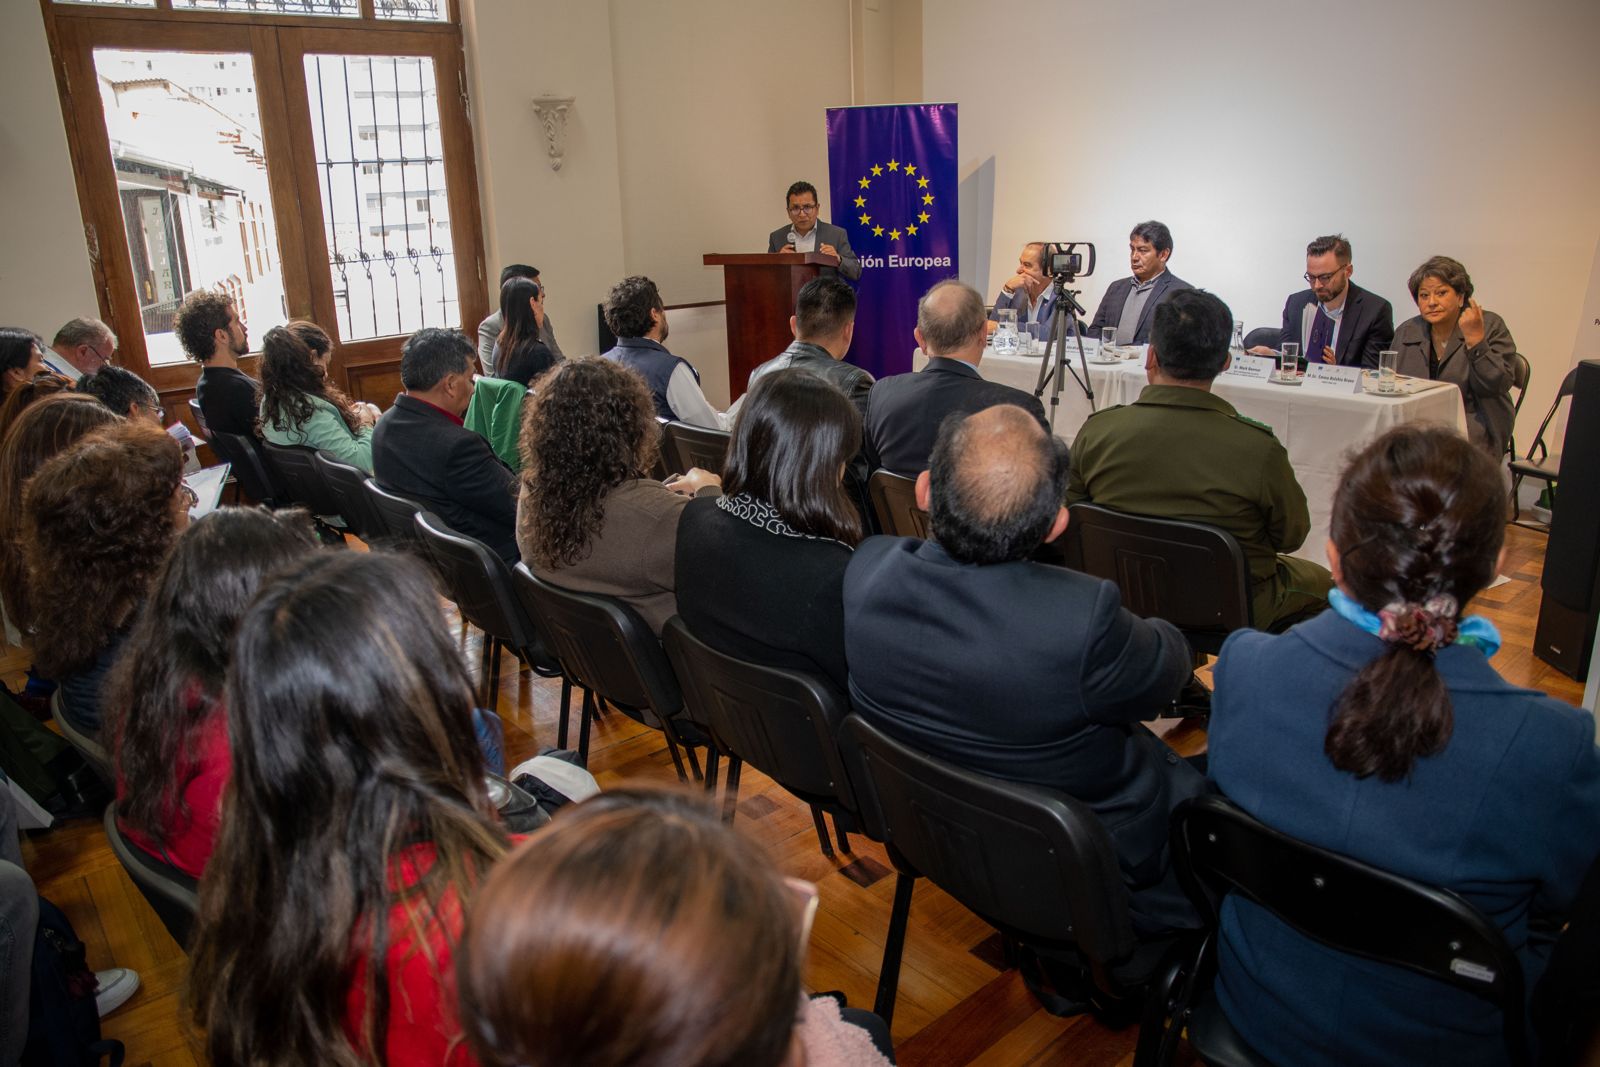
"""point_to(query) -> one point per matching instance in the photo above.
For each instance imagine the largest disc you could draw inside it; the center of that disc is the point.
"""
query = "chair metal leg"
(494, 672)
(566, 711)
(483, 671)
(713, 761)
(838, 832)
(694, 763)
(583, 727)
(730, 792)
(893, 947)
(677, 760)
(822, 831)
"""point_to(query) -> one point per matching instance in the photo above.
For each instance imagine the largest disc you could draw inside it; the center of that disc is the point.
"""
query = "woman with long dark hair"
(590, 517)
(98, 520)
(760, 569)
(21, 357)
(639, 930)
(1379, 730)
(519, 354)
(165, 718)
(300, 406)
(356, 825)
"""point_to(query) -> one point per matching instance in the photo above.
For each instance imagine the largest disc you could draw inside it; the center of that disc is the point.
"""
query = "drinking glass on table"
(1291, 351)
(1006, 342)
(1388, 377)
(1108, 342)
(1288, 366)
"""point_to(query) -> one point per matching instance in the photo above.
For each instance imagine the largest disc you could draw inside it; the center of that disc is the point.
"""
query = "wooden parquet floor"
(957, 1004)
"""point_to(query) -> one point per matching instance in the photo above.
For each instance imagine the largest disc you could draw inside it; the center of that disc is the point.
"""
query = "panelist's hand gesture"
(1262, 350)
(1471, 323)
(828, 250)
(1328, 355)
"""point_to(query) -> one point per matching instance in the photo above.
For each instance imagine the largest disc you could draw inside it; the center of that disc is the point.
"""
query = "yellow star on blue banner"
(908, 170)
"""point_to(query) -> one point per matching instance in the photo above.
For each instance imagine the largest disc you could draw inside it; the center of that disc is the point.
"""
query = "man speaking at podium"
(807, 233)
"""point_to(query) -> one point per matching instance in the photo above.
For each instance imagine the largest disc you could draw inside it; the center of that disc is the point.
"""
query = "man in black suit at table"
(1335, 321)
(1129, 303)
(965, 648)
(904, 411)
(421, 450)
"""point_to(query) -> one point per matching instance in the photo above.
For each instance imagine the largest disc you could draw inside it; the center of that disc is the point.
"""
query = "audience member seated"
(98, 520)
(905, 411)
(1028, 292)
(760, 569)
(25, 395)
(591, 518)
(638, 930)
(635, 314)
(519, 353)
(208, 327)
(21, 357)
(1182, 452)
(489, 329)
(165, 717)
(356, 825)
(1130, 303)
(421, 450)
(40, 432)
(1335, 321)
(300, 406)
(967, 649)
(81, 347)
(1380, 730)
(823, 325)
(125, 393)
(1455, 340)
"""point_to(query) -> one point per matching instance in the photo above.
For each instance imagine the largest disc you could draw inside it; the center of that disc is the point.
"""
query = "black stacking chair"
(247, 467)
(479, 582)
(1540, 463)
(1342, 903)
(344, 484)
(604, 647)
(684, 446)
(93, 753)
(395, 516)
(294, 467)
(1190, 574)
(199, 417)
(1032, 862)
(784, 723)
(1267, 336)
(894, 502)
(172, 895)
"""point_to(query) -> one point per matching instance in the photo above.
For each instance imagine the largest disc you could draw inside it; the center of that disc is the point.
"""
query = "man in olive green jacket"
(1181, 452)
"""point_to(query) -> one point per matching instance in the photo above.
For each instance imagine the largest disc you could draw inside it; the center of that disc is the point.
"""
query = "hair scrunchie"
(1425, 627)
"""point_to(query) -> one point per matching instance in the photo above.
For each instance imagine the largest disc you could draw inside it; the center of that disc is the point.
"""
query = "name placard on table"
(1333, 379)
(1257, 367)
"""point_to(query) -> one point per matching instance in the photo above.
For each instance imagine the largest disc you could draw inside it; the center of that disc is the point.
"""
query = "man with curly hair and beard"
(421, 449)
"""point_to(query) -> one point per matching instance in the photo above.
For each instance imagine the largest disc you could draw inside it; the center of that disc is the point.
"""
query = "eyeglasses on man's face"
(802, 209)
(1322, 279)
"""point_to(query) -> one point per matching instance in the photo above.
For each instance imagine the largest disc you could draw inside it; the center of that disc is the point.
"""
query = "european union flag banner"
(892, 175)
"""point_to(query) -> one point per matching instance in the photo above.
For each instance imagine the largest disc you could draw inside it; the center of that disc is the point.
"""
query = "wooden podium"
(761, 290)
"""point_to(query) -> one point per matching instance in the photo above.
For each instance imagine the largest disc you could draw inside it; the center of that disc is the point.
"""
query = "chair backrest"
(894, 502)
(684, 446)
(1569, 384)
(478, 580)
(93, 753)
(1190, 574)
(1347, 905)
(1031, 861)
(396, 515)
(295, 468)
(784, 723)
(247, 467)
(344, 484)
(172, 894)
(1266, 336)
(199, 416)
(604, 646)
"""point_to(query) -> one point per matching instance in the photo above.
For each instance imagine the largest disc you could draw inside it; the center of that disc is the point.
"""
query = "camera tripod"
(1054, 367)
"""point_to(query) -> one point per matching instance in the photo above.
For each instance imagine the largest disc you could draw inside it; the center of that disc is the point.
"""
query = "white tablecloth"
(1318, 428)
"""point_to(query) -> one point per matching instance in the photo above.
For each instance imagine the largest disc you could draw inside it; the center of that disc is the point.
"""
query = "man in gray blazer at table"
(1130, 302)
(807, 233)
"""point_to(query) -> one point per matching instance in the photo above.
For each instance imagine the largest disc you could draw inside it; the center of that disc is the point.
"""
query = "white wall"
(44, 261)
(1466, 129)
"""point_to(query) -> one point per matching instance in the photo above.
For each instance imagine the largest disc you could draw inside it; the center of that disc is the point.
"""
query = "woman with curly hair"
(164, 711)
(590, 517)
(98, 520)
(356, 827)
(299, 406)
(38, 433)
(761, 568)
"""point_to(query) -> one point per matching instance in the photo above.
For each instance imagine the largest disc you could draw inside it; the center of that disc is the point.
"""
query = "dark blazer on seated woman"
(1507, 815)
(751, 586)
(631, 556)
(1482, 373)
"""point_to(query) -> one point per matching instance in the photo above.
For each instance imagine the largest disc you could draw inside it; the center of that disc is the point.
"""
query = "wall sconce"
(551, 112)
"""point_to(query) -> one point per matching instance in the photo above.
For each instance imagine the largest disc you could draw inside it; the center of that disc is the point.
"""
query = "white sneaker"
(116, 986)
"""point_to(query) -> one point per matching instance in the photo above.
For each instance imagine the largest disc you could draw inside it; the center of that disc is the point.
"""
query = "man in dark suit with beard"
(1335, 321)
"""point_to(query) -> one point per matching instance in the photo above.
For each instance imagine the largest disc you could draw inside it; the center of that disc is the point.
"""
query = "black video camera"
(1065, 262)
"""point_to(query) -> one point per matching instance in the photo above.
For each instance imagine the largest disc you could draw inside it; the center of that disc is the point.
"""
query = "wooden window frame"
(277, 44)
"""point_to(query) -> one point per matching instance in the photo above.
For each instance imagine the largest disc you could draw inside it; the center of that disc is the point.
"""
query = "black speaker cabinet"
(1568, 611)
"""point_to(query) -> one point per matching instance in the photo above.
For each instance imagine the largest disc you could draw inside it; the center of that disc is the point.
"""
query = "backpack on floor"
(43, 765)
(63, 1022)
